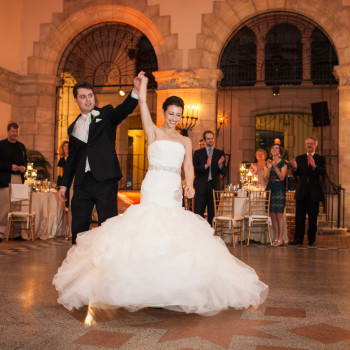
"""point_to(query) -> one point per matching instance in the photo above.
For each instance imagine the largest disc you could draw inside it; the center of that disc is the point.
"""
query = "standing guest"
(275, 173)
(60, 167)
(309, 169)
(13, 165)
(259, 167)
(284, 153)
(201, 144)
(92, 160)
(209, 163)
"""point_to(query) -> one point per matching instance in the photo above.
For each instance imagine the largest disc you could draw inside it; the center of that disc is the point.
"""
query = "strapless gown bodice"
(162, 183)
(157, 254)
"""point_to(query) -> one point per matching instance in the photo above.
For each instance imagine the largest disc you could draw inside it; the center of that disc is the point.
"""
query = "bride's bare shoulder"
(186, 141)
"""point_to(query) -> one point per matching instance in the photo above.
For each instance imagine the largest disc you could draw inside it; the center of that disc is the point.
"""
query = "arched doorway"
(109, 55)
(278, 63)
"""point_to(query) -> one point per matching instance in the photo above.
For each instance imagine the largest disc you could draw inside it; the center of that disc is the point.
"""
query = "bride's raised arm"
(147, 123)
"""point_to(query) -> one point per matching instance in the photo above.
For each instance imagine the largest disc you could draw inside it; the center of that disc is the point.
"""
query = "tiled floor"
(308, 306)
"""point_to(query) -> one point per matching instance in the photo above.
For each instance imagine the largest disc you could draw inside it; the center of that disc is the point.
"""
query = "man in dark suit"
(209, 163)
(92, 160)
(13, 165)
(309, 169)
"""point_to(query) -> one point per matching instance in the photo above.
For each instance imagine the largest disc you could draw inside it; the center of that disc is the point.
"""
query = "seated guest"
(258, 168)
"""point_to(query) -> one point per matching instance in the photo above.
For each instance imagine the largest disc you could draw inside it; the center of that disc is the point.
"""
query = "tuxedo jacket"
(100, 147)
(6, 162)
(309, 178)
(200, 158)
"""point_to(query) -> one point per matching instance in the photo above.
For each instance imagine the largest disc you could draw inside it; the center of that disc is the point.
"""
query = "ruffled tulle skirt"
(155, 256)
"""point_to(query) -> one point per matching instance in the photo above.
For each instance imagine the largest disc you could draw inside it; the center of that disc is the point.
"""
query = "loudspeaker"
(320, 114)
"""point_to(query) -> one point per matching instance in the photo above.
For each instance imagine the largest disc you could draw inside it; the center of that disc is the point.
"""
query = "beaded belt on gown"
(165, 168)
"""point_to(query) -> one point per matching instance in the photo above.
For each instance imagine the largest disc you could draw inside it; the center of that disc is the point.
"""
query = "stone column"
(36, 113)
(195, 87)
(342, 73)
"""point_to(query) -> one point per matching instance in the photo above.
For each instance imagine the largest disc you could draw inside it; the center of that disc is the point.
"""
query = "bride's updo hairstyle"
(173, 100)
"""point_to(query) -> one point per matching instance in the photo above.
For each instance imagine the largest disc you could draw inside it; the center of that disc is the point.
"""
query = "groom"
(92, 160)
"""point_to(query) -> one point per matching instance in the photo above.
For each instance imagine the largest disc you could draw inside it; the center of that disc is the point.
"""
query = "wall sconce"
(276, 91)
(189, 119)
(220, 122)
(121, 92)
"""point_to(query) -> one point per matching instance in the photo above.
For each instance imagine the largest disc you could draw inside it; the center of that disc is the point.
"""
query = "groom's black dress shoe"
(312, 244)
(294, 243)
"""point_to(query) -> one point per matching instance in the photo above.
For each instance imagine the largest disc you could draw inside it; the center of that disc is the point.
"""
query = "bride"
(157, 254)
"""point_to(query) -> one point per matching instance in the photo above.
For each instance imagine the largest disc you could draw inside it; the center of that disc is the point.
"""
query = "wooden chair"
(224, 216)
(21, 208)
(189, 203)
(290, 214)
(259, 212)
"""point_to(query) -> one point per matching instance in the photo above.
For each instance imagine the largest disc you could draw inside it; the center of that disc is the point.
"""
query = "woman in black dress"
(60, 167)
(275, 172)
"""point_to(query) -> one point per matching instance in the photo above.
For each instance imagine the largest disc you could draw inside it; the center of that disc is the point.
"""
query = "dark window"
(283, 55)
(238, 61)
(323, 59)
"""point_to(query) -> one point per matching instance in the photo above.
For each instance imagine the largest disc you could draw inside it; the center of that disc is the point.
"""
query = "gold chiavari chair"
(189, 203)
(21, 208)
(290, 214)
(259, 212)
(224, 216)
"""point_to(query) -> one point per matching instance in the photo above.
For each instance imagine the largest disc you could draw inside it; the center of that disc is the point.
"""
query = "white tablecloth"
(51, 218)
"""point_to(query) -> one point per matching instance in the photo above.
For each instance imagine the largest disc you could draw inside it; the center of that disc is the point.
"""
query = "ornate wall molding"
(196, 78)
(342, 74)
(8, 80)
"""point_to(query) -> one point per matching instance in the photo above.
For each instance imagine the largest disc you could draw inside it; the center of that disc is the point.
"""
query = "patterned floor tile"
(285, 312)
(259, 347)
(103, 338)
(217, 329)
(323, 333)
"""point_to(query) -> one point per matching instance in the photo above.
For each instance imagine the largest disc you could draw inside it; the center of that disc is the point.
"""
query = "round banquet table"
(51, 218)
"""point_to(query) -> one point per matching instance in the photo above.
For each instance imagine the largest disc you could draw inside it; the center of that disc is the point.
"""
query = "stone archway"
(37, 90)
(227, 16)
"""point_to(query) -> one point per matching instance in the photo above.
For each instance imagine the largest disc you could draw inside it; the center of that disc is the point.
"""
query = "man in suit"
(13, 165)
(209, 163)
(92, 160)
(309, 169)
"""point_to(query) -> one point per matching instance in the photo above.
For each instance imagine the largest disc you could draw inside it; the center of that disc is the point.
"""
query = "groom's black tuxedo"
(308, 194)
(203, 187)
(100, 185)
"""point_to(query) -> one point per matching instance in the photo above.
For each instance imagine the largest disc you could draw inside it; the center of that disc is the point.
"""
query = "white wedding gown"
(157, 254)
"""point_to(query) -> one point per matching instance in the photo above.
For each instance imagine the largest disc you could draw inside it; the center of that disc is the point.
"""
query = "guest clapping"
(258, 168)
(275, 173)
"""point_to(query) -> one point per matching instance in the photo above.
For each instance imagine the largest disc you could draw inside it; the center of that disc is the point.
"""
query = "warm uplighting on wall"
(220, 121)
(189, 119)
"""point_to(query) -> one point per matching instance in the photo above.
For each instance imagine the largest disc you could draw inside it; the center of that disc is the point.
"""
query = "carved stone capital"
(196, 78)
(342, 74)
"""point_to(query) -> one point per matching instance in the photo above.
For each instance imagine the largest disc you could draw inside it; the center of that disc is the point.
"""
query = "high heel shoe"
(279, 243)
(274, 243)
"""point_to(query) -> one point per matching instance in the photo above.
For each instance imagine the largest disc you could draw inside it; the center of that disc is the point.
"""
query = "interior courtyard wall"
(249, 102)
(39, 82)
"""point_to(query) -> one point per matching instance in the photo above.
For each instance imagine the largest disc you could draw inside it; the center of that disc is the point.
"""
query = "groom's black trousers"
(90, 192)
